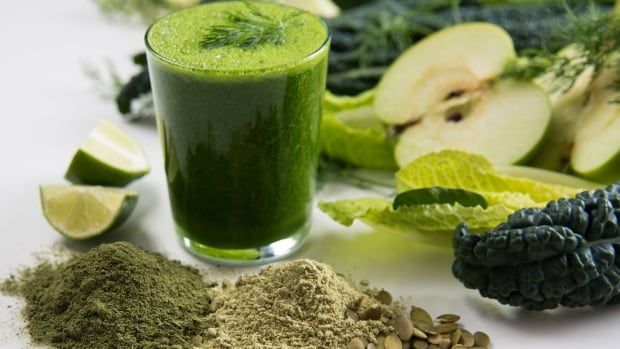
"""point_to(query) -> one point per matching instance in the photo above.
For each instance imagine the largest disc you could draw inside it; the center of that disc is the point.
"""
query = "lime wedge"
(107, 157)
(82, 212)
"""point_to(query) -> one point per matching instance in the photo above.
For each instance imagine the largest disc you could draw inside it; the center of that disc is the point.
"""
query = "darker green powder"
(115, 296)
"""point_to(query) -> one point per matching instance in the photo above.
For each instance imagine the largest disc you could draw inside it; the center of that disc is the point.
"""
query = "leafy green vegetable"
(438, 195)
(350, 132)
(366, 39)
(459, 169)
(596, 46)
(429, 223)
(449, 169)
(540, 258)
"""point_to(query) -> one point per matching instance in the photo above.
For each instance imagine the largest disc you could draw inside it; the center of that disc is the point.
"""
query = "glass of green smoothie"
(238, 89)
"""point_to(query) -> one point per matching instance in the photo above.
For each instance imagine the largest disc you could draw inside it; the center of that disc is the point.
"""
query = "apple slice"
(506, 124)
(457, 59)
(442, 93)
(596, 149)
(567, 106)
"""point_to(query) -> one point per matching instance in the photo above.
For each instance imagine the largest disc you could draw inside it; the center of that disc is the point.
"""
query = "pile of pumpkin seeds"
(418, 330)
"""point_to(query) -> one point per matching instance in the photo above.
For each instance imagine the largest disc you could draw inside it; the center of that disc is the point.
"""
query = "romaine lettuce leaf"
(463, 170)
(435, 222)
(350, 132)
(430, 223)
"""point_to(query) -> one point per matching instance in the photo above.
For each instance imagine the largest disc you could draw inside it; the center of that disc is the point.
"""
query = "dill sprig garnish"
(249, 29)
(596, 45)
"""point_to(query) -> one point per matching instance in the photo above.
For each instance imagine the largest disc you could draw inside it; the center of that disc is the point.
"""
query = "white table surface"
(48, 106)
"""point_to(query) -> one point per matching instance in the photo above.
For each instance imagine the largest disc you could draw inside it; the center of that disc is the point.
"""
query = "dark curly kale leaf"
(368, 38)
(567, 253)
(139, 85)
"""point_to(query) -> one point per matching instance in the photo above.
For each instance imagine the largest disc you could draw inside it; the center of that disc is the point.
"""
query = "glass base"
(247, 257)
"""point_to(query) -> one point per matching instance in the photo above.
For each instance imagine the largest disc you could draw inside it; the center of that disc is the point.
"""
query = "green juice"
(239, 129)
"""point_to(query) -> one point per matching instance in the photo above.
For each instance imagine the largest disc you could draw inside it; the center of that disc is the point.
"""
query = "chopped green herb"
(249, 29)
(596, 46)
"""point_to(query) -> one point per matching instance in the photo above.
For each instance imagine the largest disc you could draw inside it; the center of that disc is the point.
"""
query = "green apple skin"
(507, 125)
(596, 151)
(608, 173)
(555, 152)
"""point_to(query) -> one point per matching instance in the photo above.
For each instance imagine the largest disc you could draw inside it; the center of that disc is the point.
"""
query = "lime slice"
(82, 212)
(107, 157)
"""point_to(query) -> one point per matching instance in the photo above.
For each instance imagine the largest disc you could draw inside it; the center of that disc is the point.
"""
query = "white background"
(47, 107)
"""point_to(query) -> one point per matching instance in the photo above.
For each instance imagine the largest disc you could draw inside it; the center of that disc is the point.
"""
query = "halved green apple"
(555, 152)
(505, 124)
(596, 148)
(442, 93)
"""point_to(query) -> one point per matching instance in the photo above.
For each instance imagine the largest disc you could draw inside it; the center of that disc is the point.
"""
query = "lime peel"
(107, 157)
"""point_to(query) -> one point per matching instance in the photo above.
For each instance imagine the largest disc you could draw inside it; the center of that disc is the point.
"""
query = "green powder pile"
(298, 304)
(115, 296)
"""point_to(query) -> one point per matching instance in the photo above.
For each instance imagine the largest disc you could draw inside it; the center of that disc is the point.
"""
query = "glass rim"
(309, 57)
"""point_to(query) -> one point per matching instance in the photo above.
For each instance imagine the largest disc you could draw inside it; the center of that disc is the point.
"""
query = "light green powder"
(177, 38)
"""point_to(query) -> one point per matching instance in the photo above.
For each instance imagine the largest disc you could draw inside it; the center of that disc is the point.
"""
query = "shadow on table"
(380, 253)
(532, 322)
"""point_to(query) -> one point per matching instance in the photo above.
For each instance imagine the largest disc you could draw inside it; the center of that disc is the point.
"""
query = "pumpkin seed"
(435, 339)
(419, 314)
(445, 344)
(403, 327)
(459, 346)
(384, 297)
(447, 327)
(433, 346)
(467, 339)
(481, 339)
(447, 318)
(419, 334)
(380, 342)
(392, 342)
(425, 327)
(420, 344)
(455, 336)
(356, 343)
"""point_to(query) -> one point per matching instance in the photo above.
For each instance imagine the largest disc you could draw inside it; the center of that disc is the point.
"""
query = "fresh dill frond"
(249, 29)
(596, 45)
(386, 31)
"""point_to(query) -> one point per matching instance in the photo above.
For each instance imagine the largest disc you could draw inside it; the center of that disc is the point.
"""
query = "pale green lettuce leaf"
(430, 223)
(449, 169)
(350, 132)
(463, 170)
(334, 103)
(346, 212)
